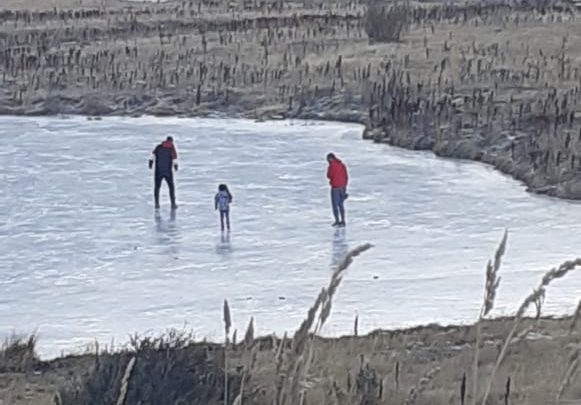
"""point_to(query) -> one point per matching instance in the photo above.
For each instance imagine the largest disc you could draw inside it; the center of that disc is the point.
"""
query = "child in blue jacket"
(222, 202)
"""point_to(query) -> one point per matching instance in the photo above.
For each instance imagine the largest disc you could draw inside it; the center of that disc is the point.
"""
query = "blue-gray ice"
(84, 257)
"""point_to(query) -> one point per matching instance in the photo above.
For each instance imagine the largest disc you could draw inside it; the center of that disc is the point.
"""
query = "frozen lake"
(84, 257)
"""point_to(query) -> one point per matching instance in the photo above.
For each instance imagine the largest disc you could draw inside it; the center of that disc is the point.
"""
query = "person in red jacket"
(338, 179)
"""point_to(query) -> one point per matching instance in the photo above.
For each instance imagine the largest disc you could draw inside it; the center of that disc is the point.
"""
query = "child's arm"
(216, 202)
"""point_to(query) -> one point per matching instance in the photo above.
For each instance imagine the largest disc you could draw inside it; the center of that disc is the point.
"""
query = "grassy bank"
(495, 83)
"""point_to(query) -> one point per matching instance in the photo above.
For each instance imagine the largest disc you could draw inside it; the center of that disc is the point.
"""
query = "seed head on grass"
(560, 271)
(535, 297)
(227, 318)
(299, 359)
(336, 279)
(279, 353)
(302, 333)
(249, 336)
(492, 278)
(491, 285)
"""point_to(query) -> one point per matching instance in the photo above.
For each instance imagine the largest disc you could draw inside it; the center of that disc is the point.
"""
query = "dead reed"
(298, 360)
(539, 292)
(450, 84)
(576, 317)
(491, 285)
(125, 382)
(227, 326)
(18, 353)
(573, 365)
(386, 23)
(421, 385)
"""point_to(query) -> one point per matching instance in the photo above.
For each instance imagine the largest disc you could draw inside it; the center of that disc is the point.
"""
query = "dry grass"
(491, 285)
(385, 23)
(535, 297)
(18, 354)
(125, 382)
(493, 82)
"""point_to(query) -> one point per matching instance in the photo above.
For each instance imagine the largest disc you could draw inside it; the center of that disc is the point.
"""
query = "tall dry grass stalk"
(421, 385)
(576, 317)
(491, 285)
(227, 326)
(125, 381)
(57, 398)
(571, 369)
(535, 297)
(301, 355)
(249, 335)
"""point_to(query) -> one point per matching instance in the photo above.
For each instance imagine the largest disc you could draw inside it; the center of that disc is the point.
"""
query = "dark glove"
(175, 167)
(150, 164)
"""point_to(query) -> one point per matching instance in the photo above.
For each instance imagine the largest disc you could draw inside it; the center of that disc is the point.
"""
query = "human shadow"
(224, 246)
(340, 246)
(167, 231)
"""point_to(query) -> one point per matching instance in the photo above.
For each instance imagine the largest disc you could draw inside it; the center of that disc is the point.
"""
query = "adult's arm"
(174, 157)
(152, 158)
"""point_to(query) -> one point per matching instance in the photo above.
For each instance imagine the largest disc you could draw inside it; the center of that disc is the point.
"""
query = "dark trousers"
(168, 177)
(225, 217)
(337, 202)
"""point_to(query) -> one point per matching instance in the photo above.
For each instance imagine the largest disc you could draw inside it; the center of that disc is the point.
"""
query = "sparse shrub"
(18, 354)
(386, 23)
(168, 370)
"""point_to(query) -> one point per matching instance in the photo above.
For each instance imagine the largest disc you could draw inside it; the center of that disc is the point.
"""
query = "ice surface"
(84, 257)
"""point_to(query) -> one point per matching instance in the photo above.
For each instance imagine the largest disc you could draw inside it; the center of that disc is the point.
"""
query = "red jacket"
(337, 174)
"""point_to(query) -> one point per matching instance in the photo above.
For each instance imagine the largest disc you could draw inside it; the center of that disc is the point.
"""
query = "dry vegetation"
(493, 82)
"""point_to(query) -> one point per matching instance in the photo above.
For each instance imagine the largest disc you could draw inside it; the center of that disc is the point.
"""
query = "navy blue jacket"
(165, 157)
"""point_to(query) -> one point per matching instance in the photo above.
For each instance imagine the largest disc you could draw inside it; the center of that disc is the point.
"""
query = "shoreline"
(467, 149)
(399, 358)
(419, 328)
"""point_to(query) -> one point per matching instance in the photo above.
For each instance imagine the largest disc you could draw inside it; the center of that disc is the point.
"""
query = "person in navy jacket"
(164, 156)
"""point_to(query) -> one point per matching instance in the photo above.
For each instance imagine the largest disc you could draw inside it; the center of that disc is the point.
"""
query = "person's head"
(330, 157)
(169, 139)
(222, 187)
